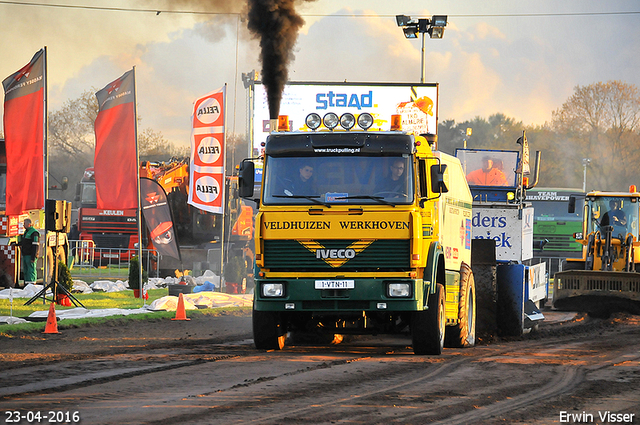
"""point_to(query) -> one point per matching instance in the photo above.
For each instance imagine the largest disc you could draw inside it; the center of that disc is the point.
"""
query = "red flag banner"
(157, 215)
(116, 172)
(24, 135)
(206, 171)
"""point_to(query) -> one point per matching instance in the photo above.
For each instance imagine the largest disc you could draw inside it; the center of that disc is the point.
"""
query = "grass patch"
(94, 300)
(33, 327)
(97, 301)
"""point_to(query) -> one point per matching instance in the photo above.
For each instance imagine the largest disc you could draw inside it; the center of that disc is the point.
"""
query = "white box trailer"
(510, 226)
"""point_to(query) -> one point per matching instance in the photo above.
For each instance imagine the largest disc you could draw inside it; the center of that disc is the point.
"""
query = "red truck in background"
(113, 233)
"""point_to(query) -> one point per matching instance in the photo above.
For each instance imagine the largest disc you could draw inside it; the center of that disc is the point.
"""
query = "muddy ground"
(122, 335)
(206, 371)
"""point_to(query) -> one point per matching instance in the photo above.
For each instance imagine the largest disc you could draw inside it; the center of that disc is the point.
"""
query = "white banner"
(206, 171)
(417, 103)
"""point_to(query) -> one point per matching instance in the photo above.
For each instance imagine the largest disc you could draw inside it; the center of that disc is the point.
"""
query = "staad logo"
(344, 100)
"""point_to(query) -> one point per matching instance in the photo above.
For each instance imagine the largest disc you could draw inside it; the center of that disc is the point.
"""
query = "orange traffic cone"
(52, 322)
(180, 313)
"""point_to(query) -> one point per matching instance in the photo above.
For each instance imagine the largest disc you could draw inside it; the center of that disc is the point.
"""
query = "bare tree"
(71, 141)
(153, 146)
(71, 127)
(602, 122)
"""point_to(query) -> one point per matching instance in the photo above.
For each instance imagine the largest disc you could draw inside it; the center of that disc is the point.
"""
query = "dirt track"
(206, 371)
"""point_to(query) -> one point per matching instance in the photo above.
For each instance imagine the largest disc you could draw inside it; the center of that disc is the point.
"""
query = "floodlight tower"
(433, 26)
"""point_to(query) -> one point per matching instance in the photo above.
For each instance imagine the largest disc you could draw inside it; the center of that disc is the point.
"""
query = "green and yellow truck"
(361, 232)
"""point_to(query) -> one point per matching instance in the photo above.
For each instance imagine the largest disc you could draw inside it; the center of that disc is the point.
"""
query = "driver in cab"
(615, 216)
(393, 183)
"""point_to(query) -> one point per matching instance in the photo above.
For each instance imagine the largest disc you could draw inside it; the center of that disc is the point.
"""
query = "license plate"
(335, 284)
(110, 256)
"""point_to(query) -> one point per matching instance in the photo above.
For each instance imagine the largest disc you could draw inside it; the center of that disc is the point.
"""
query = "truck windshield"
(619, 212)
(89, 198)
(338, 180)
(489, 167)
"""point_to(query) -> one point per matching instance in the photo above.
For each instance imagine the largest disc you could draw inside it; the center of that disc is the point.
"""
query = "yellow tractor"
(607, 277)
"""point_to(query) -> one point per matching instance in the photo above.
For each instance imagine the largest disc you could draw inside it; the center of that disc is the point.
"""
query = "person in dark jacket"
(302, 184)
(30, 247)
(394, 183)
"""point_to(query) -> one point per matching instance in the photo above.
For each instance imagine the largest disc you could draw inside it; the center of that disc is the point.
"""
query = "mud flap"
(516, 313)
(483, 258)
(511, 289)
(532, 315)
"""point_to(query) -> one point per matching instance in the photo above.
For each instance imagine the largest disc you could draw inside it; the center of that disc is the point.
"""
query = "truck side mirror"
(65, 183)
(78, 192)
(246, 176)
(437, 178)
(572, 204)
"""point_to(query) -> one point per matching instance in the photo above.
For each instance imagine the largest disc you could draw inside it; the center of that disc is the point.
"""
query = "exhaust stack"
(273, 125)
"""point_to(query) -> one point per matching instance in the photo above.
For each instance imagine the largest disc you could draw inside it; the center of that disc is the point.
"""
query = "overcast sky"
(520, 58)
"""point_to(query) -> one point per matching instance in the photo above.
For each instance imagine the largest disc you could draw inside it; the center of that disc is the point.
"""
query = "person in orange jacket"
(488, 175)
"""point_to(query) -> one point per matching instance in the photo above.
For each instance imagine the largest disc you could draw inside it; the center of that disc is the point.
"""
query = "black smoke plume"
(276, 24)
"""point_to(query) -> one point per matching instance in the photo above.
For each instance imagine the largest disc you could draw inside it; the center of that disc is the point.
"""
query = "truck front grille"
(293, 255)
(111, 241)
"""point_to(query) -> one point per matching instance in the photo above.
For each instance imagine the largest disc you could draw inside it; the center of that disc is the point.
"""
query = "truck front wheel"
(269, 330)
(464, 333)
(427, 327)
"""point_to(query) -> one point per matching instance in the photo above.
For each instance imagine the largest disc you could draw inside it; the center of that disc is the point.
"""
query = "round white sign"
(209, 150)
(208, 111)
(207, 189)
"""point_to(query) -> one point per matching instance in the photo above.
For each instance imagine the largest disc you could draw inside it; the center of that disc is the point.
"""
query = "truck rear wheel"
(269, 331)
(428, 327)
(464, 333)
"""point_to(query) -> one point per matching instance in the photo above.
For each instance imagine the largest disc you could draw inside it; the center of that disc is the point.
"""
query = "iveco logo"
(336, 257)
(335, 253)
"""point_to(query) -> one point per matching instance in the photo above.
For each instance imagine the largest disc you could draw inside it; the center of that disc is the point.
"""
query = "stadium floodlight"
(412, 27)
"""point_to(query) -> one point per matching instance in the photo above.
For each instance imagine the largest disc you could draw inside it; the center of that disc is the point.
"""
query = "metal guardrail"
(554, 264)
(87, 260)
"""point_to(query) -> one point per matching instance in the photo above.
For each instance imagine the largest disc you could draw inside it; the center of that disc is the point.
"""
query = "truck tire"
(428, 327)
(464, 333)
(269, 331)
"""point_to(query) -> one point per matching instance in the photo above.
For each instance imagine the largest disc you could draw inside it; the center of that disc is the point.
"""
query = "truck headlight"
(272, 289)
(399, 289)
(313, 121)
(330, 120)
(365, 120)
(347, 121)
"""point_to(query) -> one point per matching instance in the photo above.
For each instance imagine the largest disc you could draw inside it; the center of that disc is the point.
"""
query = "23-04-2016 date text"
(44, 417)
